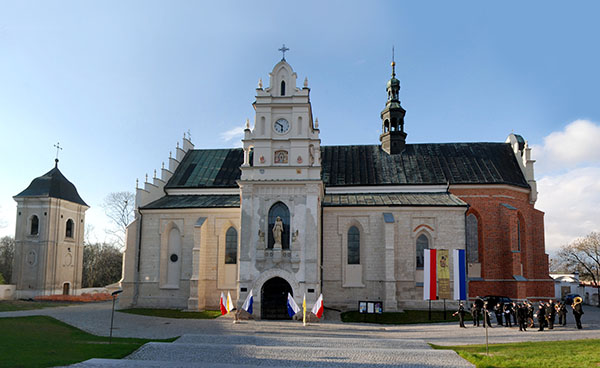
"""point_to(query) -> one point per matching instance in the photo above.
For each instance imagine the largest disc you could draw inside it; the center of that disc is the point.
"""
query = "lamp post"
(112, 315)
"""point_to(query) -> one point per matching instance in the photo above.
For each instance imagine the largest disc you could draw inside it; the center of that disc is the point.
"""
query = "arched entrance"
(273, 298)
(66, 288)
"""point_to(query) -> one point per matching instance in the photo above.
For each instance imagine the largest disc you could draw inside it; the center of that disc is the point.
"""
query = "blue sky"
(117, 83)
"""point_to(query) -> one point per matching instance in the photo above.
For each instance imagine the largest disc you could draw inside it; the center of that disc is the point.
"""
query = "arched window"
(422, 244)
(35, 225)
(472, 239)
(283, 88)
(231, 246)
(279, 210)
(69, 229)
(353, 245)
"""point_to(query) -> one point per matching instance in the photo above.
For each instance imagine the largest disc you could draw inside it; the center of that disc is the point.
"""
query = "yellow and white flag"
(304, 310)
(229, 304)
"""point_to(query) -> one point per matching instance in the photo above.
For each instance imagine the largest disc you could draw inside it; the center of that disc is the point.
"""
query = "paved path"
(220, 343)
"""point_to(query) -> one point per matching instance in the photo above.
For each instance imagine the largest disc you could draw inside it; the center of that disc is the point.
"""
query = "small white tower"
(49, 237)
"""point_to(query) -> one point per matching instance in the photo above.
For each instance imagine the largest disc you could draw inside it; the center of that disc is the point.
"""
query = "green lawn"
(17, 305)
(400, 318)
(172, 313)
(551, 354)
(41, 341)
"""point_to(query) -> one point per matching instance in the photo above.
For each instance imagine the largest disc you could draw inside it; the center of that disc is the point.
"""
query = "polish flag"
(430, 275)
(222, 305)
(317, 309)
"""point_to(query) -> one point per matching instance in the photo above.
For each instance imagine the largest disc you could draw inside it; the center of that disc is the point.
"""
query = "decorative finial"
(137, 183)
(154, 173)
(393, 64)
(163, 165)
(317, 123)
(283, 49)
(146, 177)
(177, 145)
(58, 148)
(170, 154)
(306, 82)
(189, 135)
(260, 83)
(247, 123)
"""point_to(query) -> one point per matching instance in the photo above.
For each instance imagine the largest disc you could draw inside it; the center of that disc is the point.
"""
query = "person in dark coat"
(577, 313)
(486, 315)
(475, 314)
(541, 316)
(498, 311)
(522, 313)
(550, 312)
(461, 314)
(530, 313)
(562, 314)
(514, 310)
(507, 321)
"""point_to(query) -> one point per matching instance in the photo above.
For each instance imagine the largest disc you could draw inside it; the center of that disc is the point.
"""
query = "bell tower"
(393, 137)
(281, 191)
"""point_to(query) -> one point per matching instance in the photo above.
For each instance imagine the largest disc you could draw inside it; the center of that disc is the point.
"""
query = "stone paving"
(220, 343)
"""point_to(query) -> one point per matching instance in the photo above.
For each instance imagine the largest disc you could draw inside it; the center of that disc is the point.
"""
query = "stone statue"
(277, 231)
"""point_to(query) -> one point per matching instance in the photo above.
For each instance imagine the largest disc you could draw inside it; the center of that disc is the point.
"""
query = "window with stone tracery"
(231, 246)
(422, 244)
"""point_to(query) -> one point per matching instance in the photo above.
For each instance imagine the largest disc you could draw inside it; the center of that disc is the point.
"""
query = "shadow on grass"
(41, 341)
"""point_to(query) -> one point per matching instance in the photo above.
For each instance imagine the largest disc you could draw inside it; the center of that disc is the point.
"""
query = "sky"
(118, 83)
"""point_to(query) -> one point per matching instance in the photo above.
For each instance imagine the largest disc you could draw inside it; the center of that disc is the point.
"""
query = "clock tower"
(281, 191)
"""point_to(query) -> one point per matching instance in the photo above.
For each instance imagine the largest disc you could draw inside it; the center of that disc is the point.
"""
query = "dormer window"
(35, 225)
(283, 88)
(69, 229)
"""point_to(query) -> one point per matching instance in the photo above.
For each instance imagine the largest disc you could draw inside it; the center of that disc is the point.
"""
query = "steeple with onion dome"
(393, 137)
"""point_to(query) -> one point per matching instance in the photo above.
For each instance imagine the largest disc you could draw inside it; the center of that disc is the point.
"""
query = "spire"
(393, 137)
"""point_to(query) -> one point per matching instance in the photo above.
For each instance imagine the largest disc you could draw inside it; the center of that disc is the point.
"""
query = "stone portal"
(274, 299)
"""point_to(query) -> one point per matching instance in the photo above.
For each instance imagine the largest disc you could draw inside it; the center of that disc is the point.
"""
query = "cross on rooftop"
(283, 49)
(58, 147)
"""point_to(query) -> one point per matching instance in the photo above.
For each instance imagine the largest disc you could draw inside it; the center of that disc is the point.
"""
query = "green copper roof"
(194, 201)
(394, 200)
(211, 168)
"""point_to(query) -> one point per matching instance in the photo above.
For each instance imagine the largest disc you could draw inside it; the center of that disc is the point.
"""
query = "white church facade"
(353, 220)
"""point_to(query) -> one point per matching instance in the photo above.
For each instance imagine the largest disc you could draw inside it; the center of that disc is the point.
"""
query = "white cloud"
(569, 187)
(236, 133)
(577, 145)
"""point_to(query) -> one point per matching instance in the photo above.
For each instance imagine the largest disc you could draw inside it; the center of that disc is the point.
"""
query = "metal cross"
(58, 147)
(283, 49)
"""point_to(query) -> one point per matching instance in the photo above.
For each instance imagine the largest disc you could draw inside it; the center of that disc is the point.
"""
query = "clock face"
(281, 126)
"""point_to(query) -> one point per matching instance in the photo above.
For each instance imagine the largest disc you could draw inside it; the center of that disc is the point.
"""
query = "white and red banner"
(318, 307)
(430, 274)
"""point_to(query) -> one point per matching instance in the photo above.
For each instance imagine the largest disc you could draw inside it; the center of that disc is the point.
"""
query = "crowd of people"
(523, 314)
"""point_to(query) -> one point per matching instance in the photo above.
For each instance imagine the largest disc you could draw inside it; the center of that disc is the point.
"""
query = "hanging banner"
(443, 271)
(429, 275)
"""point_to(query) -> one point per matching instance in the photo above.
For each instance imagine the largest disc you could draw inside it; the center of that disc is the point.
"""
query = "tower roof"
(52, 184)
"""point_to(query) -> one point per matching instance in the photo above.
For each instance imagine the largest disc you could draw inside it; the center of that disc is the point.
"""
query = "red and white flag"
(222, 305)
(317, 309)
(430, 274)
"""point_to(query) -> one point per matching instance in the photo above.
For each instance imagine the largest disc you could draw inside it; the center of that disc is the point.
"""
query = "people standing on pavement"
(541, 316)
(486, 315)
(577, 311)
(507, 321)
(461, 314)
(522, 316)
(514, 308)
(475, 314)
(498, 311)
(530, 313)
(550, 314)
(562, 314)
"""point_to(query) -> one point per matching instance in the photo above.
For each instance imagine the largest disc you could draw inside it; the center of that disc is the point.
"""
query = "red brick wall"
(499, 253)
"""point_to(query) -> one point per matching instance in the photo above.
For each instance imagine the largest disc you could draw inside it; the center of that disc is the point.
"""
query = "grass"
(554, 354)
(41, 341)
(401, 318)
(172, 313)
(18, 305)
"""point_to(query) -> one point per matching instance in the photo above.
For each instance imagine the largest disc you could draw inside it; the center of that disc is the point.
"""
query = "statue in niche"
(277, 232)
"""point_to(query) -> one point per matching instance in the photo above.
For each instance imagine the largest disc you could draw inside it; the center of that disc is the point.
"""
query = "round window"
(174, 257)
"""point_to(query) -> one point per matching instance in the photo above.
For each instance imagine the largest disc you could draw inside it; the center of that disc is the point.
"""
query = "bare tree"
(118, 206)
(101, 264)
(7, 253)
(583, 255)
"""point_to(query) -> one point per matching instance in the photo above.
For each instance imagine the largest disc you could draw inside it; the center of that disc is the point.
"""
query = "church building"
(284, 214)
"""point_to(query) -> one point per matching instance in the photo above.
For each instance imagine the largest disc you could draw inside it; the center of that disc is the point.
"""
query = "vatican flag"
(304, 310)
